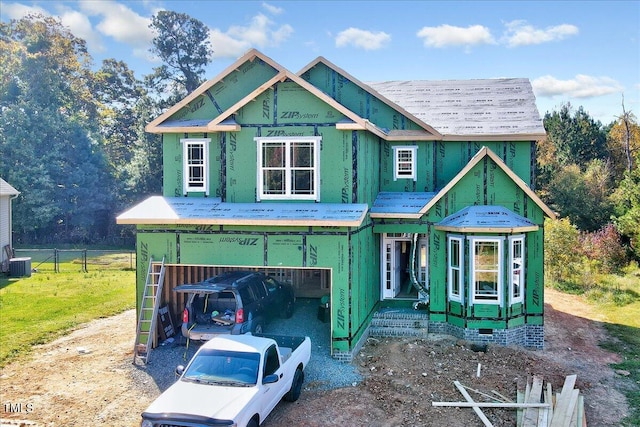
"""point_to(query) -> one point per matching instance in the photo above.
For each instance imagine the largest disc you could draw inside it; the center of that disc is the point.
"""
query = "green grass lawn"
(37, 309)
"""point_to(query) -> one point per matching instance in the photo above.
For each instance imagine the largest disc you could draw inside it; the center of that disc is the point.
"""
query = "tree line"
(72, 138)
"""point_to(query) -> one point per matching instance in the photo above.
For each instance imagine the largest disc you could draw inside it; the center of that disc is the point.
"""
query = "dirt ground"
(87, 378)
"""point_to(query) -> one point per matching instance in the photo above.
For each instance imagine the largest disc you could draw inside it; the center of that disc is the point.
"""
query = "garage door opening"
(314, 284)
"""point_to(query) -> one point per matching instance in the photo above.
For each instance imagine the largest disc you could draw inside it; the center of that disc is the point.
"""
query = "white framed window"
(195, 158)
(455, 272)
(516, 269)
(486, 269)
(289, 168)
(404, 160)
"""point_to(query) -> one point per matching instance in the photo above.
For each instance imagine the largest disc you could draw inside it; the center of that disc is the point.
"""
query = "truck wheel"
(252, 423)
(296, 386)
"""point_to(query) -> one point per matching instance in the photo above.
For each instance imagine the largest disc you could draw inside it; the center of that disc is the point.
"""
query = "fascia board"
(435, 134)
(251, 55)
(496, 137)
(511, 230)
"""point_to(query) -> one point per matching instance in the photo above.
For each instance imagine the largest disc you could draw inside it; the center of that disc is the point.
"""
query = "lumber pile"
(537, 406)
(566, 409)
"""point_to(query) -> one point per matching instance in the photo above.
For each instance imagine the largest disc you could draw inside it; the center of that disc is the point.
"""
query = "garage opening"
(307, 283)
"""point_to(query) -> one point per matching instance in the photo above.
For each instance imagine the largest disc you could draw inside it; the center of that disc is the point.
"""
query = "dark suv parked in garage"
(235, 302)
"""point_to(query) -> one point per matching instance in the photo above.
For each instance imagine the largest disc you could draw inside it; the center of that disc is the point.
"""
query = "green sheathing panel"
(288, 110)
(357, 99)
(226, 92)
(152, 246)
(437, 275)
(367, 168)
(534, 279)
(172, 178)
(449, 157)
(216, 249)
(365, 280)
(424, 168)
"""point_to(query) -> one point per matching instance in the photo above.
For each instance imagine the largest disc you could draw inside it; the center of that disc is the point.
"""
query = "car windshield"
(222, 367)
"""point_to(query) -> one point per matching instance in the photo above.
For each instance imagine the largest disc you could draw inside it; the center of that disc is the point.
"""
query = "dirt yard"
(87, 378)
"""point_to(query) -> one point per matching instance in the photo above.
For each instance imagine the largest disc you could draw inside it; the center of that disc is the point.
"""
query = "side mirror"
(179, 370)
(270, 379)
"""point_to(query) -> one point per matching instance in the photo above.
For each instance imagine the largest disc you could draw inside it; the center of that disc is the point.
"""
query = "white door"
(392, 266)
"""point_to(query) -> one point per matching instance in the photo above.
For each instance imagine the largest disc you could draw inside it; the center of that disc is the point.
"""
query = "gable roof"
(155, 126)
(429, 132)
(6, 189)
(486, 152)
(470, 110)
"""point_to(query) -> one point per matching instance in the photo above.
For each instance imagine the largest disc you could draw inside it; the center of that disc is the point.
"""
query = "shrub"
(605, 248)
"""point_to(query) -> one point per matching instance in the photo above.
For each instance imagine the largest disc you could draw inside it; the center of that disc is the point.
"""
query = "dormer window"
(289, 168)
(195, 158)
(404, 158)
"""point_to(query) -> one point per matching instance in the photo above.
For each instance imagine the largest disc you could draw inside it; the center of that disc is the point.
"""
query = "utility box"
(20, 267)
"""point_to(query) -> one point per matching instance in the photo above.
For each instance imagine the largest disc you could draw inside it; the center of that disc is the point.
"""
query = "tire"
(252, 422)
(287, 311)
(296, 386)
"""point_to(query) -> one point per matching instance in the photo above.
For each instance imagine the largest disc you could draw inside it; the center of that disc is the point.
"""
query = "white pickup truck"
(233, 380)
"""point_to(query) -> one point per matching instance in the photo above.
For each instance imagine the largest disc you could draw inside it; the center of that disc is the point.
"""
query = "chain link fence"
(57, 260)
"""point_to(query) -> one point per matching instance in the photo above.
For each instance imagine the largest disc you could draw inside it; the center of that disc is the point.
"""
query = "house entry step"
(399, 323)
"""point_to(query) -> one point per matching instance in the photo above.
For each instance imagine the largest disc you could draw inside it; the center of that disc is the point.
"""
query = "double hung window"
(288, 168)
(456, 262)
(195, 155)
(486, 272)
(404, 159)
(516, 269)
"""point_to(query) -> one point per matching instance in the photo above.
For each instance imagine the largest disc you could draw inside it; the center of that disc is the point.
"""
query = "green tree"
(182, 44)
(561, 259)
(577, 139)
(49, 132)
(583, 197)
(627, 205)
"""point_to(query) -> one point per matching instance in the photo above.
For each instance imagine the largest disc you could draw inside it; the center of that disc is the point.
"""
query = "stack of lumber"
(566, 408)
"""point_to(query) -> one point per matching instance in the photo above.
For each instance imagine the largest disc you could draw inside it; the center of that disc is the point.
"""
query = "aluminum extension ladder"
(147, 320)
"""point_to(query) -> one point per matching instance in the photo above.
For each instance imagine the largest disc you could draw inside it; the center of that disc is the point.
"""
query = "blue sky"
(586, 53)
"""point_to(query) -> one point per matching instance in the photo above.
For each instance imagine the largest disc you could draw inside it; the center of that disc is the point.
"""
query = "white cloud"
(519, 33)
(80, 26)
(120, 23)
(582, 86)
(274, 10)
(448, 35)
(363, 39)
(18, 10)
(261, 32)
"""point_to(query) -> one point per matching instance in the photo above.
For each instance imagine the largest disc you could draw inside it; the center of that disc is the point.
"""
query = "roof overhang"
(158, 210)
(486, 219)
(400, 205)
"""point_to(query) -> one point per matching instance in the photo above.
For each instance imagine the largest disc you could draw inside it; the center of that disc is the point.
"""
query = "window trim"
(476, 297)
(513, 299)
(186, 165)
(315, 195)
(397, 149)
(450, 268)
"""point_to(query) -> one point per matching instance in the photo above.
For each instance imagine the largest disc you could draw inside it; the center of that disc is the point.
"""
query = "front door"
(401, 263)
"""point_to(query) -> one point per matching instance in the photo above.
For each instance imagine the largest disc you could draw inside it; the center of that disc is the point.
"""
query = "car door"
(272, 393)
